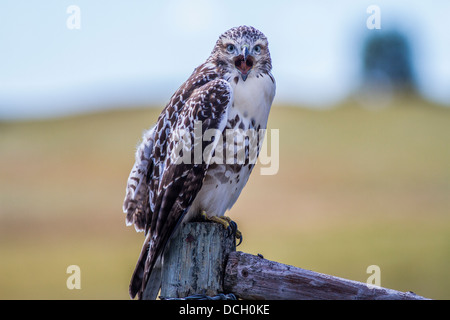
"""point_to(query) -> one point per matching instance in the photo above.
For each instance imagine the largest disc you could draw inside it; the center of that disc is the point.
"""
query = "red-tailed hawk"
(169, 183)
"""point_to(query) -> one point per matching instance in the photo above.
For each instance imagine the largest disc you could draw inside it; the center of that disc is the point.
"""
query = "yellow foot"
(227, 223)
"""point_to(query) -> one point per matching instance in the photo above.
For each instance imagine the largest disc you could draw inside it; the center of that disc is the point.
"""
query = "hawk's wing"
(175, 183)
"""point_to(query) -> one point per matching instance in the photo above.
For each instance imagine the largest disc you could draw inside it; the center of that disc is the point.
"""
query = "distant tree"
(386, 57)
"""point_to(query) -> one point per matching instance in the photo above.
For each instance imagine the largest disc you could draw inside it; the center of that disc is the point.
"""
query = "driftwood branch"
(202, 259)
(253, 277)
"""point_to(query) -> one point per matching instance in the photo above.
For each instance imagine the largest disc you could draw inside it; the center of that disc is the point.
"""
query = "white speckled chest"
(249, 110)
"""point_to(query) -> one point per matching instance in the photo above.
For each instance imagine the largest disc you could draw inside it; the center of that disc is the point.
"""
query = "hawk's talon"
(239, 236)
(227, 223)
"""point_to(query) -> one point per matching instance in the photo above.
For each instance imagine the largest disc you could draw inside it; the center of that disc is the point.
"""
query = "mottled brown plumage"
(169, 184)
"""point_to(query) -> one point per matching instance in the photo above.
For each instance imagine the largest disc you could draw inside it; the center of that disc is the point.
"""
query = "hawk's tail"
(150, 289)
(138, 274)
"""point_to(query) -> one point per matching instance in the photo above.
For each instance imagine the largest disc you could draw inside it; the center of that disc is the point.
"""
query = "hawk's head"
(242, 51)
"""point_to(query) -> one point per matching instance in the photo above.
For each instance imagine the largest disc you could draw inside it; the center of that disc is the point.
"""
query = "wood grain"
(253, 277)
(195, 261)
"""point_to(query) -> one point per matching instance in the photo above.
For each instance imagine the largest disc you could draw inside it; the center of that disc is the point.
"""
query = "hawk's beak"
(244, 62)
(245, 51)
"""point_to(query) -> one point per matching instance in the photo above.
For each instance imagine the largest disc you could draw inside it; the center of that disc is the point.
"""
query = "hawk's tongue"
(244, 67)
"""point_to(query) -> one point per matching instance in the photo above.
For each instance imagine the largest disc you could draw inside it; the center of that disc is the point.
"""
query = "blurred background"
(362, 107)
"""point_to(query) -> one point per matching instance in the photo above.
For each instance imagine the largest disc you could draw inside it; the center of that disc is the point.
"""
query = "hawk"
(232, 90)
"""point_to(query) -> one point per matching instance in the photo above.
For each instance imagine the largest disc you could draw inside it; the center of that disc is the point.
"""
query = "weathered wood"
(195, 260)
(201, 259)
(252, 277)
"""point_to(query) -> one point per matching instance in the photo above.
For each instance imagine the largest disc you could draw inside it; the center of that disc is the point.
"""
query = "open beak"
(244, 62)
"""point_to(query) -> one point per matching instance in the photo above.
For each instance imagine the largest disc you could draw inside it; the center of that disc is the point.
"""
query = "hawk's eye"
(257, 49)
(230, 48)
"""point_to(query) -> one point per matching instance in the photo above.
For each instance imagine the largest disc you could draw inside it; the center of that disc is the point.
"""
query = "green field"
(355, 187)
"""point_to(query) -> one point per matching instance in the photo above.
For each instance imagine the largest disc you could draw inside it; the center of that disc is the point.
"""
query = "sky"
(129, 53)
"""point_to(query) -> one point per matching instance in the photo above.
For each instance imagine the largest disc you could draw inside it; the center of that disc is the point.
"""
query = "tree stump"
(194, 263)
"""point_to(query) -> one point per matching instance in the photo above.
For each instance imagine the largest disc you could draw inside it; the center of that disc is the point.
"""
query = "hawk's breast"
(247, 115)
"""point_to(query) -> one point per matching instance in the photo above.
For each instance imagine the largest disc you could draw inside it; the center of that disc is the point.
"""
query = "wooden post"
(195, 260)
(252, 277)
(202, 259)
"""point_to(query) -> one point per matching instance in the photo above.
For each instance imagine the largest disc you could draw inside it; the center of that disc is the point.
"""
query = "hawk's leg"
(227, 223)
